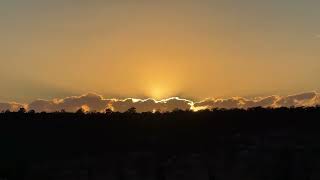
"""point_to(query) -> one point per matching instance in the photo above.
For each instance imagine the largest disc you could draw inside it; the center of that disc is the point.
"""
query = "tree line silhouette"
(255, 143)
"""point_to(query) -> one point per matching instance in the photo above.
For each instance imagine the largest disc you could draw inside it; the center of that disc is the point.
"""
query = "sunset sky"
(158, 49)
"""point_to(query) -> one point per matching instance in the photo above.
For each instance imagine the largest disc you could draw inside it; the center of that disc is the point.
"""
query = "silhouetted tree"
(93, 112)
(80, 111)
(131, 110)
(252, 143)
(108, 111)
(177, 110)
(158, 112)
(22, 110)
(31, 111)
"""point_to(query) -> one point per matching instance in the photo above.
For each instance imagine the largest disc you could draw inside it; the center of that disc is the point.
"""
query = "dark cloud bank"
(95, 102)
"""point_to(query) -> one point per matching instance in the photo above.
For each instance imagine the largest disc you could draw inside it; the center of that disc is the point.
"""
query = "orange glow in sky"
(158, 49)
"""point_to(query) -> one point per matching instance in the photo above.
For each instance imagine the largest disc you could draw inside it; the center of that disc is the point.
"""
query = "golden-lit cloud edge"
(96, 102)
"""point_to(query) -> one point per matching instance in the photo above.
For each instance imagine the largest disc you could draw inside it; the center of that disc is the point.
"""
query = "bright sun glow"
(159, 92)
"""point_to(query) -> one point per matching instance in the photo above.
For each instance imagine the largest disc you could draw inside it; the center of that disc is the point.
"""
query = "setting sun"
(159, 89)
(159, 92)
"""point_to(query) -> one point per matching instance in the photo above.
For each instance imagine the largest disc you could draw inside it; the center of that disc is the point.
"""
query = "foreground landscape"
(255, 144)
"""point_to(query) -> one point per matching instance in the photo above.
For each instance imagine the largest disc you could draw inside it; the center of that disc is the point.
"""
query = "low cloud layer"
(11, 106)
(96, 102)
(88, 102)
(297, 100)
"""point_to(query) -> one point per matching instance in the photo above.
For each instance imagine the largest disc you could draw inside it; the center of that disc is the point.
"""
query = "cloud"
(237, 102)
(152, 105)
(219, 103)
(268, 101)
(302, 99)
(95, 102)
(90, 101)
(317, 100)
(12, 106)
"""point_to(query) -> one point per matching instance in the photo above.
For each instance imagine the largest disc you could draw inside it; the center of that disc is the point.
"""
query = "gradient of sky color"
(187, 48)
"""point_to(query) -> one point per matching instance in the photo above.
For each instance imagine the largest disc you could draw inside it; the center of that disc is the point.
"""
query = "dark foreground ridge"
(254, 144)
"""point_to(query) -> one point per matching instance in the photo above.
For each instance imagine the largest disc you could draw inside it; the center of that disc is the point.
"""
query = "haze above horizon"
(158, 49)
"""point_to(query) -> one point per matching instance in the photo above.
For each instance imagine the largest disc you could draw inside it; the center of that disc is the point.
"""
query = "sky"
(158, 49)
